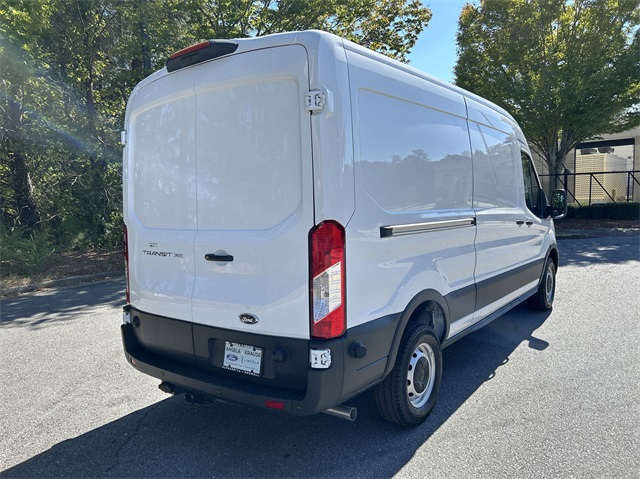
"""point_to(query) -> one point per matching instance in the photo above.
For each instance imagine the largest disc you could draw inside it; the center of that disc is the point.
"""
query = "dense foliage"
(566, 70)
(68, 67)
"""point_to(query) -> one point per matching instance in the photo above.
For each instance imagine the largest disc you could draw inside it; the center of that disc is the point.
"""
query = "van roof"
(312, 39)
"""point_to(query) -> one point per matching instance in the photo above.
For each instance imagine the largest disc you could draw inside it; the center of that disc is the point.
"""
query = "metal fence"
(597, 187)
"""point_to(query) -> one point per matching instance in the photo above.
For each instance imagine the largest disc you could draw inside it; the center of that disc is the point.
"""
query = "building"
(602, 170)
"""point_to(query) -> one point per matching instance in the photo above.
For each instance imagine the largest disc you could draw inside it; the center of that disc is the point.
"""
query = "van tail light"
(126, 261)
(327, 280)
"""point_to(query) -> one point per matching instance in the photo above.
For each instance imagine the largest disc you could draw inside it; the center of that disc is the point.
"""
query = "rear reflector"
(200, 52)
(274, 405)
(328, 280)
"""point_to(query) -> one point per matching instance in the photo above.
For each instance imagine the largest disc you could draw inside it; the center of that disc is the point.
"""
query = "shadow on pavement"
(175, 439)
(52, 306)
(587, 252)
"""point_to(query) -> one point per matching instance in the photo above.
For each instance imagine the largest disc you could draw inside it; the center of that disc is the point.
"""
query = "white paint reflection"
(164, 160)
(412, 157)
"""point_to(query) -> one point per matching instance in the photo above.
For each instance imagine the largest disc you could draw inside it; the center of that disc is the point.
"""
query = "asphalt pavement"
(530, 395)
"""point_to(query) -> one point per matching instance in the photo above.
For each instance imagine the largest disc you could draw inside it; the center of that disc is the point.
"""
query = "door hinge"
(315, 100)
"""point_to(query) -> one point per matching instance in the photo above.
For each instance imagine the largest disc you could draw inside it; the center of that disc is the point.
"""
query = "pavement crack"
(136, 430)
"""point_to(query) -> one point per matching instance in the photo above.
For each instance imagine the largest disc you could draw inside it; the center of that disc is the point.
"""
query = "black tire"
(542, 300)
(408, 393)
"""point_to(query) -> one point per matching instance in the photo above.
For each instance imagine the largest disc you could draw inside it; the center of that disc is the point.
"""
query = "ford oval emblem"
(247, 318)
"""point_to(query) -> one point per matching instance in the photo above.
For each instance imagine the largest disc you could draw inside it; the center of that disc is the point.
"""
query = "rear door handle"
(520, 222)
(529, 223)
(223, 258)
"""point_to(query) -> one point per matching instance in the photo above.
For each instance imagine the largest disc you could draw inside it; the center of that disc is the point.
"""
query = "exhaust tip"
(343, 412)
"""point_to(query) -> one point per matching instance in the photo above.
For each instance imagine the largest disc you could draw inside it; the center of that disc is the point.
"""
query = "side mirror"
(559, 204)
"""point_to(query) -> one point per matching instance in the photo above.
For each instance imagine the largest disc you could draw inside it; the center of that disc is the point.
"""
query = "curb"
(57, 283)
(569, 235)
(90, 278)
(601, 233)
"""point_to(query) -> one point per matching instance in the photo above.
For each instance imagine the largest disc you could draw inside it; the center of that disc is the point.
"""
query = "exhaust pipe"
(343, 412)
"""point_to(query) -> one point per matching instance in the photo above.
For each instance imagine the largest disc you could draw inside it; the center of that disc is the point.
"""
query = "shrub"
(614, 211)
(23, 253)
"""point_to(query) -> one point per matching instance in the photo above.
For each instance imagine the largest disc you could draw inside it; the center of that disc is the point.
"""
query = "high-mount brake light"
(192, 48)
(327, 280)
(126, 262)
(200, 52)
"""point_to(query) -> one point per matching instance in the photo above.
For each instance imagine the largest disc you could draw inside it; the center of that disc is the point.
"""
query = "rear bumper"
(322, 392)
(312, 391)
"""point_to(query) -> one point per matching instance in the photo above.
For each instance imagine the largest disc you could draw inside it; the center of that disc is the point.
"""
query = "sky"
(435, 51)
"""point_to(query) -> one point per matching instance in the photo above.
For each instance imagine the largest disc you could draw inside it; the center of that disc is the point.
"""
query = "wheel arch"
(554, 254)
(426, 303)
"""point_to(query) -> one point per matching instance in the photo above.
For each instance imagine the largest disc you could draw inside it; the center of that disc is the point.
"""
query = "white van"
(306, 219)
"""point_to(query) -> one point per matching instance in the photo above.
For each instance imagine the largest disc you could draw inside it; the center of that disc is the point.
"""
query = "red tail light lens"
(126, 261)
(328, 280)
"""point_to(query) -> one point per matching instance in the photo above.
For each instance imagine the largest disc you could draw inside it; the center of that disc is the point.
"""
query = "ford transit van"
(306, 219)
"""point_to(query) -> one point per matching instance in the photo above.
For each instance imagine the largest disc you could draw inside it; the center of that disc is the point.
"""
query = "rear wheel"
(542, 300)
(408, 393)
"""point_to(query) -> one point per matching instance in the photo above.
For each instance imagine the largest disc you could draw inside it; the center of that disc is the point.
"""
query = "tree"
(17, 205)
(566, 70)
(388, 26)
(68, 68)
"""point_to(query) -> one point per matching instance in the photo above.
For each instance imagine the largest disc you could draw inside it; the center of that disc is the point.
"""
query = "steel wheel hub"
(421, 375)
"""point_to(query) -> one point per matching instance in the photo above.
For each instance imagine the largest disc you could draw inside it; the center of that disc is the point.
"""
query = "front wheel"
(542, 300)
(408, 393)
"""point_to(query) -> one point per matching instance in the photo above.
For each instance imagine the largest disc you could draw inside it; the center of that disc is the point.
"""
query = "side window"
(532, 188)
(495, 163)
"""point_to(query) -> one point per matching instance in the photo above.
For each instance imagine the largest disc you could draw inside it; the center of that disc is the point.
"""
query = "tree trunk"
(21, 184)
(144, 43)
(551, 158)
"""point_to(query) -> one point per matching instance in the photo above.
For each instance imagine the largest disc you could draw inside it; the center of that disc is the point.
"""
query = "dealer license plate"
(242, 358)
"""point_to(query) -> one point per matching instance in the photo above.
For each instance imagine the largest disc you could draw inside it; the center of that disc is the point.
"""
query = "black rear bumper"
(312, 391)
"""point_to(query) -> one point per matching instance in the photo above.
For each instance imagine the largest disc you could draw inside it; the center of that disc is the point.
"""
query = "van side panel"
(502, 272)
(413, 167)
(333, 177)
(509, 271)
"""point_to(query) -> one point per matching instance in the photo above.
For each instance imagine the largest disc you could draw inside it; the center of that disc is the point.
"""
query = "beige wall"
(633, 133)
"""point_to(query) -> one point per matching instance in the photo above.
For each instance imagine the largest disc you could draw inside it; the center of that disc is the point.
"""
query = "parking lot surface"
(530, 395)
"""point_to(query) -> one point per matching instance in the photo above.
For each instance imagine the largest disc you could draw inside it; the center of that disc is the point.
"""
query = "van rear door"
(219, 192)
(254, 192)
(159, 194)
